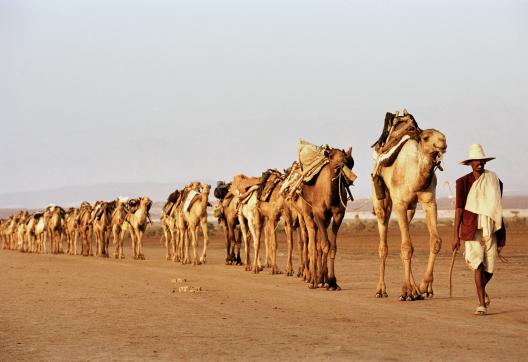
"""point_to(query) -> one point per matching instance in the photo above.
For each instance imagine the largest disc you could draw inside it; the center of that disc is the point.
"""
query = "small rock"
(181, 280)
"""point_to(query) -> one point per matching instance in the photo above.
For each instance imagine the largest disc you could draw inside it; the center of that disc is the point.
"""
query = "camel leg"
(185, 246)
(289, 242)
(255, 230)
(383, 209)
(139, 243)
(310, 226)
(133, 238)
(435, 243)
(408, 291)
(268, 245)
(205, 232)
(322, 248)
(336, 223)
(238, 245)
(192, 230)
(228, 234)
(273, 244)
(115, 241)
(243, 229)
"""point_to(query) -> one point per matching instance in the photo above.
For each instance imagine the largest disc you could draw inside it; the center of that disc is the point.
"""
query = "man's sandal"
(487, 300)
(481, 310)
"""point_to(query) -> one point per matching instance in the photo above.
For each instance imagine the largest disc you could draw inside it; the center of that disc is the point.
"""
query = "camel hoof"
(311, 286)
(247, 268)
(381, 294)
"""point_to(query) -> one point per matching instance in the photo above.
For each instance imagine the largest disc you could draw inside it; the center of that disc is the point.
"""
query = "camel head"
(146, 202)
(433, 143)
(341, 161)
(206, 188)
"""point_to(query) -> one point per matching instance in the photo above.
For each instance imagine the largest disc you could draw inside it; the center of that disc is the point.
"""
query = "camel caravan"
(309, 198)
(184, 212)
(90, 224)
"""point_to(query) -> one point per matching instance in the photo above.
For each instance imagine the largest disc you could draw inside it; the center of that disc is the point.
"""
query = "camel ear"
(349, 152)
(405, 113)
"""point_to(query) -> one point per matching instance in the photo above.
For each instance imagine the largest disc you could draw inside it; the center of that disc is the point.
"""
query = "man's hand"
(455, 245)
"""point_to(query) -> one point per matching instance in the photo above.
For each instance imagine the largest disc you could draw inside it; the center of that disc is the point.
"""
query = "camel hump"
(270, 178)
(243, 183)
(221, 190)
(395, 129)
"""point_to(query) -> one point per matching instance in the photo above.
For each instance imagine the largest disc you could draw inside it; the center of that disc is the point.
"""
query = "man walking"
(478, 221)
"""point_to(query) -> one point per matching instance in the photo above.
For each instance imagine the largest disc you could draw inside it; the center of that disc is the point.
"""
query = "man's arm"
(459, 209)
(458, 220)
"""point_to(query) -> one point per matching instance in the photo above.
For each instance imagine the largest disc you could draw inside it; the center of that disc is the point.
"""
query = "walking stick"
(451, 273)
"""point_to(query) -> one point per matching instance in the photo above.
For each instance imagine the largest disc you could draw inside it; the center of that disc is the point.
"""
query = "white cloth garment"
(484, 199)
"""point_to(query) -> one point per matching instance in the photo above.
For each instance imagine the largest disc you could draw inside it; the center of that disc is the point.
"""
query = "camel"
(11, 230)
(54, 221)
(228, 218)
(21, 230)
(271, 212)
(196, 216)
(323, 205)
(409, 180)
(249, 218)
(117, 223)
(72, 229)
(85, 228)
(30, 242)
(168, 226)
(137, 219)
(101, 226)
(294, 222)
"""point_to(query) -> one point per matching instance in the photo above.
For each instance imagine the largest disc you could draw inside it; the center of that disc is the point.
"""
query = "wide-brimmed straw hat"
(476, 152)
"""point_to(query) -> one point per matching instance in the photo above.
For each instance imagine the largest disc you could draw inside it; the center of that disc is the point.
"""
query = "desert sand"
(60, 307)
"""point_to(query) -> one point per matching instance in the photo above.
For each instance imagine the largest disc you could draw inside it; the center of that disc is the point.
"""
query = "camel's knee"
(407, 251)
(436, 245)
(383, 250)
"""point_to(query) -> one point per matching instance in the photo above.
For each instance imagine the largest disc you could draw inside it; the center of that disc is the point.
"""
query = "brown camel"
(85, 228)
(117, 222)
(271, 210)
(196, 216)
(137, 220)
(101, 227)
(54, 221)
(409, 180)
(167, 221)
(226, 212)
(323, 204)
(72, 229)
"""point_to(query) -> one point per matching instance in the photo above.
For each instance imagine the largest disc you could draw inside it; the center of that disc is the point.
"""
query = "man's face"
(477, 165)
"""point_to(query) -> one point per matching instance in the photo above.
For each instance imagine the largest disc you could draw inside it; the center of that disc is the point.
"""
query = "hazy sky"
(167, 91)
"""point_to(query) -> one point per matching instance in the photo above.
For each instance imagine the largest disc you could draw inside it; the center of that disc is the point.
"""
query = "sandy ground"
(86, 308)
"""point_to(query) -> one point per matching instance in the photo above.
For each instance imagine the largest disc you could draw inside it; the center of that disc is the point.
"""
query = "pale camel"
(31, 238)
(196, 216)
(21, 230)
(54, 216)
(409, 180)
(137, 219)
(117, 222)
(85, 228)
(249, 218)
(72, 229)
(323, 204)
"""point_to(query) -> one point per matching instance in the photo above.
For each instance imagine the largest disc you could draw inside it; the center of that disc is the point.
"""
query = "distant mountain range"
(73, 195)
(70, 196)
